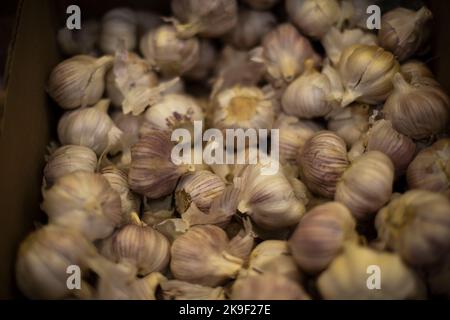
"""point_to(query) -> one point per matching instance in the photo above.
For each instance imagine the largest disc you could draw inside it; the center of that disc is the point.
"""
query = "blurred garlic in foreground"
(118, 25)
(417, 226)
(349, 276)
(85, 202)
(78, 81)
(321, 235)
(181, 290)
(44, 258)
(350, 123)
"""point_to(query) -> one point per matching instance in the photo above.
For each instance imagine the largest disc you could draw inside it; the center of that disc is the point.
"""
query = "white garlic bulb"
(168, 53)
(283, 52)
(90, 127)
(321, 235)
(417, 111)
(404, 31)
(347, 277)
(206, 62)
(73, 42)
(43, 260)
(366, 73)
(366, 185)
(313, 17)
(78, 81)
(68, 159)
(85, 202)
(335, 41)
(350, 123)
(251, 27)
(118, 26)
(261, 4)
(269, 200)
(243, 107)
(417, 226)
(211, 18)
(138, 245)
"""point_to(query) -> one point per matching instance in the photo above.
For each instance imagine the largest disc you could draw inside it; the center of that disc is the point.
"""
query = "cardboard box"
(28, 117)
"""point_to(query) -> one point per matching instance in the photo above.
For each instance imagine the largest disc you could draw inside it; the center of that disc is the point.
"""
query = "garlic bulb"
(243, 107)
(283, 53)
(200, 256)
(293, 134)
(354, 12)
(366, 73)
(118, 179)
(273, 256)
(68, 159)
(198, 188)
(269, 286)
(321, 235)
(85, 202)
(250, 28)
(310, 95)
(129, 71)
(322, 161)
(313, 17)
(350, 123)
(78, 81)
(118, 25)
(366, 185)
(206, 62)
(211, 18)
(417, 226)
(168, 53)
(152, 172)
(180, 290)
(73, 42)
(417, 111)
(349, 276)
(138, 245)
(269, 200)
(404, 31)
(90, 127)
(261, 4)
(43, 259)
(335, 41)
(430, 169)
(172, 112)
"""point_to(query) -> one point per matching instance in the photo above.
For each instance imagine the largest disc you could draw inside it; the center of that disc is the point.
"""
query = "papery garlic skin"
(172, 112)
(251, 27)
(43, 259)
(415, 71)
(118, 25)
(268, 286)
(366, 185)
(181, 290)
(269, 200)
(284, 52)
(243, 108)
(200, 256)
(200, 188)
(68, 159)
(293, 134)
(417, 111)
(78, 81)
(321, 235)
(335, 41)
(261, 4)
(417, 226)
(322, 161)
(85, 202)
(313, 17)
(90, 127)
(169, 54)
(347, 276)
(138, 245)
(152, 172)
(366, 74)
(404, 31)
(350, 123)
(206, 62)
(211, 18)
(430, 169)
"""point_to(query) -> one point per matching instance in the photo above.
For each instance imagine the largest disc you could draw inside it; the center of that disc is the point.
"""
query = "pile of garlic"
(364, 180)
